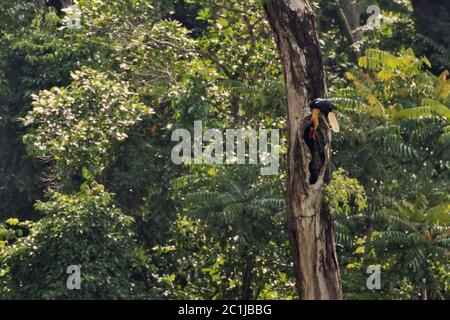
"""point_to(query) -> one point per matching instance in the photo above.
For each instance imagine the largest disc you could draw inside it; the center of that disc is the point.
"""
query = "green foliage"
(194, 264)
(395, 88)
(399, 107)
(344, 193)
(82, 101)
(416, 243)
(79, 125)
(244, 80)
(12, 230)
(84, 229)
(397, 114)
(243, 221)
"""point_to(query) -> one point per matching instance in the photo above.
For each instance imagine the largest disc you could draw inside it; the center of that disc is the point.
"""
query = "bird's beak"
(334, 124)
(315, 113)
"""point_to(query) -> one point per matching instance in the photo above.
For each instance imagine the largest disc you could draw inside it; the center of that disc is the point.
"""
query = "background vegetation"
(86, 116)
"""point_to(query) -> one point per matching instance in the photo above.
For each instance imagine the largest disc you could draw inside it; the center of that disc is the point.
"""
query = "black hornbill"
(326, 107)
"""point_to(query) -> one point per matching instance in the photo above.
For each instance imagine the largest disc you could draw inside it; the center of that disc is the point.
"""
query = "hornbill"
(326, 107)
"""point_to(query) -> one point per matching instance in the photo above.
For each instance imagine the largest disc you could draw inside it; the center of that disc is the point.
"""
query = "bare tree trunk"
(311, 227)
(349, 19)
(353, 10)
(247, 277)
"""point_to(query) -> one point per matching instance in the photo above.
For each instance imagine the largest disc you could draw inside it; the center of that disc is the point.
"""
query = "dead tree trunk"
(311, 226)
(348, 17)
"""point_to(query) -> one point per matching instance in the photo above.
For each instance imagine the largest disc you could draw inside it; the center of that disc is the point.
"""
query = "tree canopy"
(91, 92)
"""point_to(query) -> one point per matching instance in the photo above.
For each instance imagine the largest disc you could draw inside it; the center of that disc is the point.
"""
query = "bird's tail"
(334, 124)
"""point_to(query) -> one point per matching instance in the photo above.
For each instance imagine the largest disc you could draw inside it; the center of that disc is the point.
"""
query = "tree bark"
(352, 10)
(247, 277)
(310, 224)
(349, 18)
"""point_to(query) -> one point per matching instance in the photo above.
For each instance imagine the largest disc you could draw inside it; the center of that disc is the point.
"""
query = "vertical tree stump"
(311, 226)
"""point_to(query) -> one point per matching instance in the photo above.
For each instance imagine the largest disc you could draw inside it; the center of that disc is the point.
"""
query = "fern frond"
(444, 243)
(184, 181)
(393, 238)
(202, 198)
(233, 210)
(417, 260)
(415, 239)
(257, 210)
(375, 59)
(227, 198)
(413, 113)
(390, 140)
(235, 188)
(401, 225)
(437, 108)
(343, 236)
(445, 137)
(276, 204)
(439, 215)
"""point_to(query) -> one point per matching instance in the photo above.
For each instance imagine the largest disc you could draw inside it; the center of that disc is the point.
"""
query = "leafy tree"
(243, 214)
(78, 126)
(86, 116)
(84, 229)
(417, 237)
(397, 117)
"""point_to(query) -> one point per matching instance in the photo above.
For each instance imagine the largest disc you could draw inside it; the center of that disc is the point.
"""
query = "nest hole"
(316, 147)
